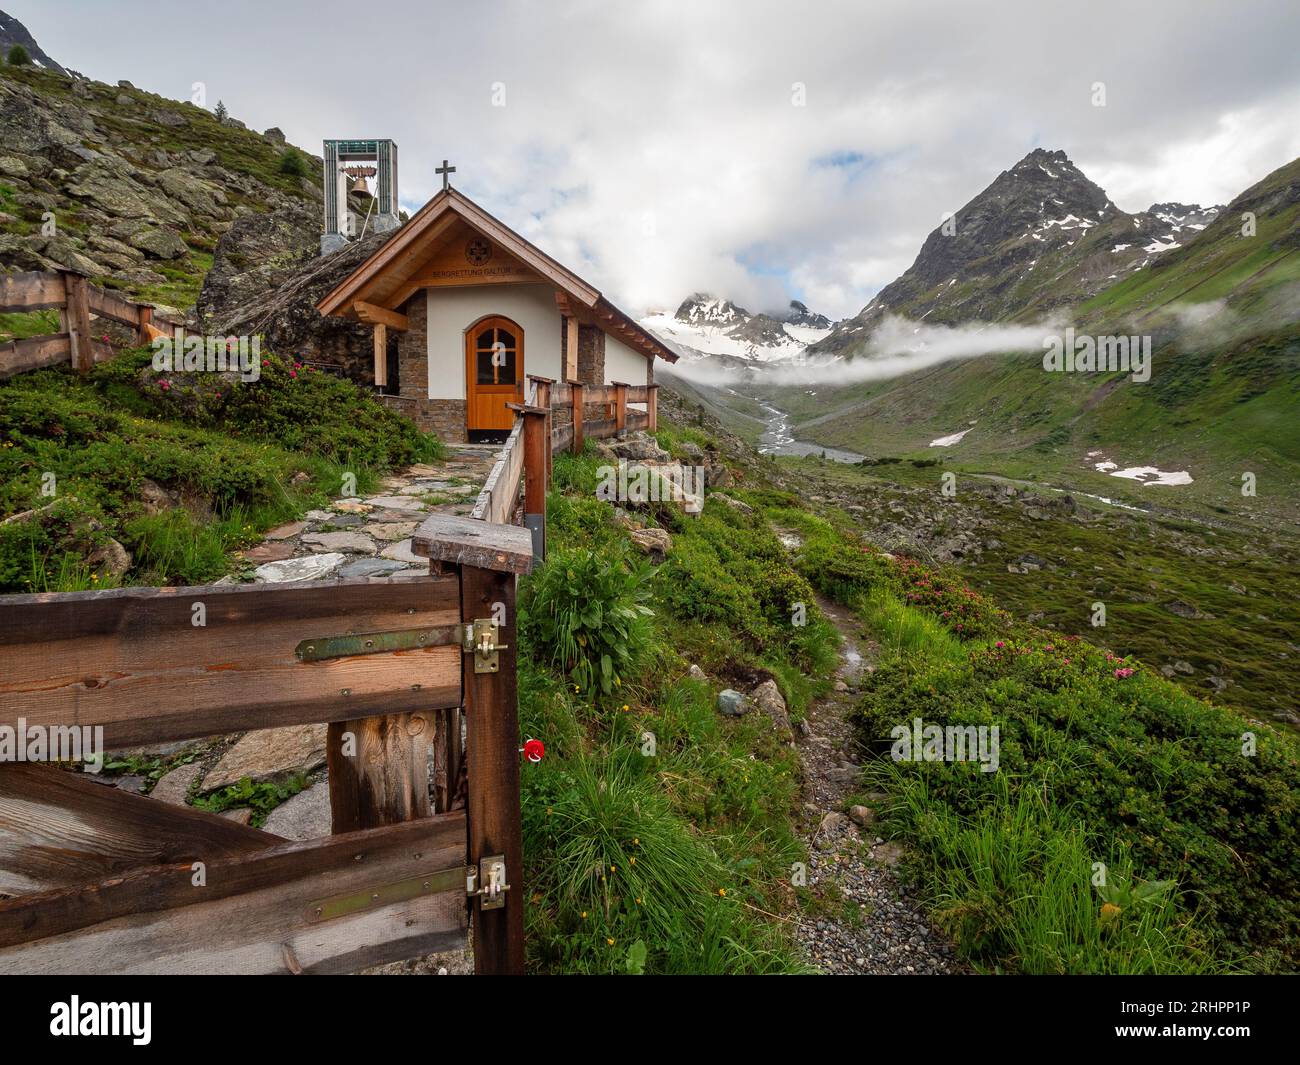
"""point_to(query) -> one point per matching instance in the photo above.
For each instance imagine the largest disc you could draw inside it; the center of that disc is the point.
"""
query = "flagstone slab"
(307, 568)
(397, 502)
(390, 531)
(393, 514)
(402, 552)
(270, 552)
(269, 753)
(304, 816)
(174, 786)
(351, 543)
(284, 532)
(372, 567)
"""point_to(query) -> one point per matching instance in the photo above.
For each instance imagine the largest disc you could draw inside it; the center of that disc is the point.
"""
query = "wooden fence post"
(489, 557)
(492, 768)
(652, 407)
(142, 335)
(537, 444)
(620, 408)
(543, 399)
(83, 358)
(575, 391)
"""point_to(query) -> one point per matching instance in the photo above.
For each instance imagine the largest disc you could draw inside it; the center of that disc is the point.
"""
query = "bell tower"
(349, 166)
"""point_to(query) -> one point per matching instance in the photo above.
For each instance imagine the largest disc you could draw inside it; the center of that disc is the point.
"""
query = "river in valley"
(777, 439)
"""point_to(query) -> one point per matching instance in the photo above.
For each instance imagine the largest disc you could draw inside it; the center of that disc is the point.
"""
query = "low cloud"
(897, 346)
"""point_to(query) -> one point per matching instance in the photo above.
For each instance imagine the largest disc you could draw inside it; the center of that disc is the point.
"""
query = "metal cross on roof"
(446, 172)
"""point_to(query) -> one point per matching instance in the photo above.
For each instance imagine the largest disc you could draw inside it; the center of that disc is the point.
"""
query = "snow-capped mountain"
(705, 325)
(1042, 235)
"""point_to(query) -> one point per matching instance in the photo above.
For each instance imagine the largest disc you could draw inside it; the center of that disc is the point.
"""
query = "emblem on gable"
(478, 252)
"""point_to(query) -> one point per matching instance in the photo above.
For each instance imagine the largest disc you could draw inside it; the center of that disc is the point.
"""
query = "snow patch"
(948, 441)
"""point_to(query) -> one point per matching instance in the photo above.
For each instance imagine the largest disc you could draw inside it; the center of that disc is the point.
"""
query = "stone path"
(370, 536)
(868, 923)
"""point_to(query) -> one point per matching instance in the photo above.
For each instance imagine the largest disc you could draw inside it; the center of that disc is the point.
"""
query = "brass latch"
(480, 640)
(488, 885)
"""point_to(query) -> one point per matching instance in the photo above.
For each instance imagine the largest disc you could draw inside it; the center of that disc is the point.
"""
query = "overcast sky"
(661, 147)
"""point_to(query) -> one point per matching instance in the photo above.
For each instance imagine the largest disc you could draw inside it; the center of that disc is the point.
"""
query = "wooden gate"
(109, 882)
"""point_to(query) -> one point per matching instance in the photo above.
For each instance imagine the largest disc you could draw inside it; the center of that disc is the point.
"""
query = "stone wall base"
(445, 417)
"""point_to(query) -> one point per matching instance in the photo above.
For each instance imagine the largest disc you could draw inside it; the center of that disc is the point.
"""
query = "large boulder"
(767, 697)
(639, 447)
(267, 278)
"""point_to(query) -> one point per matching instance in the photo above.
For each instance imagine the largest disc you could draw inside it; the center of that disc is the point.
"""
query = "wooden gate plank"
(256, 913)
(132, 660)
(59, 828)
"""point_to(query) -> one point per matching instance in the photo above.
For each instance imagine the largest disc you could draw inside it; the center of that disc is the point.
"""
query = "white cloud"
(654, 146)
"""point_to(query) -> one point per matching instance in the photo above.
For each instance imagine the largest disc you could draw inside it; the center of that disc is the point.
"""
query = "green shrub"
(18, 56)
(586, 614)
(293, 164)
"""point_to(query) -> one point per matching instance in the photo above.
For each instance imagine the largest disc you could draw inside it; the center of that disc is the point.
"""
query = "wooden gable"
(452, 241)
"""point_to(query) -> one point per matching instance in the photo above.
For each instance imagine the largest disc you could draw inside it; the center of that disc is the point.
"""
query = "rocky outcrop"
(276, 297)
(133, 184)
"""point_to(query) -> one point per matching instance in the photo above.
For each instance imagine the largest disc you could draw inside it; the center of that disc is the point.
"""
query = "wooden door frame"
(471, 367)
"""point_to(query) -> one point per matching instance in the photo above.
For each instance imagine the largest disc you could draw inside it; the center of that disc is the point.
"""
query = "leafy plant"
(587, 614)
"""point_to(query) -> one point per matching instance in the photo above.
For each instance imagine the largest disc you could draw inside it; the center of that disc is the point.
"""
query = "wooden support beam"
(576, 390)
(83, 357)
(100, 653)
(652, 407)
(34, 290)
(32, 353)
(571, 334)
(543, 400)
(466, 542)
(381, 355)
(293, 907)
(62, 829)
(374, 315)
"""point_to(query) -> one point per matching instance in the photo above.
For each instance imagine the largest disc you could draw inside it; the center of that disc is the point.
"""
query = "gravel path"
(869, 924)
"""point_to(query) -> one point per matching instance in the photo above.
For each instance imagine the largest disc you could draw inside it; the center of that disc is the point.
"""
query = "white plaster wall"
(623, 363)
(453, 310)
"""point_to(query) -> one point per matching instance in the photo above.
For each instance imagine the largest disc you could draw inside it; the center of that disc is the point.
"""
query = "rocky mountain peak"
(799, 314)
(703, 308)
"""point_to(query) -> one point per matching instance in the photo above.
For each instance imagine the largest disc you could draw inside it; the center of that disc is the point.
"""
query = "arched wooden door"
(494, 375)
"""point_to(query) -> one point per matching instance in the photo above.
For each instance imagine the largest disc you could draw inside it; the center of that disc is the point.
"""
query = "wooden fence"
(77, 301)
(535, 438)
(104, 881)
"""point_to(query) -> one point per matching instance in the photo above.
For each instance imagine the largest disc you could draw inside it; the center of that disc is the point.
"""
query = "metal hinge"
(488, 885)
(477, 637)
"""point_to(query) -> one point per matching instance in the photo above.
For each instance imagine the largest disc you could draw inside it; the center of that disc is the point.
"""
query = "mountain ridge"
(1040, 236)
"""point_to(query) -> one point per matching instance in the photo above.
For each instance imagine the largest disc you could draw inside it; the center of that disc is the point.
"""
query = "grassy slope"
(1245, 586)
(228, 452)
(1128, 771)
(131, 134)
(1102, 761)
